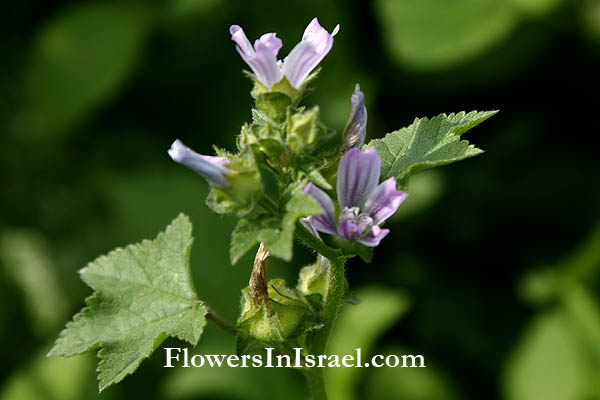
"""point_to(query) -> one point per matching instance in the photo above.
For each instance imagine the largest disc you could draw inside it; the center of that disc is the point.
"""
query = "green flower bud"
(283, 86)
(244, 186)
(304, 129)
(313, 282)
(246, 138)
(281, 316)
(274, 105)
(263, 134)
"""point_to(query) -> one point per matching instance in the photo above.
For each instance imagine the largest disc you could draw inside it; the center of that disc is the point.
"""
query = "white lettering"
(197, 357)
(170, 356)
(347, 361)
(413, 361)
(373, 363)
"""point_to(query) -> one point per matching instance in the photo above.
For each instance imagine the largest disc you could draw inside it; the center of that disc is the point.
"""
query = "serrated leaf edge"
(194, 302)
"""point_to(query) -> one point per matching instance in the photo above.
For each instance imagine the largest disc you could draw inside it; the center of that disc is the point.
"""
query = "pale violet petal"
(318, 35)
(312, 29)
(271, 41)
(240, 38)
(306, 55)
(209, 167)
(264, 64)
(219, 161)
(373, 238)
(384, 200)
(306, 221)
(358, 174)
(355, 130)
(262, 58)
(326, 221)
(299, 63)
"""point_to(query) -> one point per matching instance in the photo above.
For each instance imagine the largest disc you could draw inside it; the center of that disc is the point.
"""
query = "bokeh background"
(492, 268)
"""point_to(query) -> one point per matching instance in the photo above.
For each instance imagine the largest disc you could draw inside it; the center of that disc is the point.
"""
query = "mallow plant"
(290, 177)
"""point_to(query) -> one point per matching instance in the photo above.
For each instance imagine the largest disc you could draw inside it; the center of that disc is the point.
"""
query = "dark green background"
(491, 269)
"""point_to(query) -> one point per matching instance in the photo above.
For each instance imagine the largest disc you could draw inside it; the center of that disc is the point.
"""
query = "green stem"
(269, 204)
(333, 302)
(316, 244)
(211, 315)
(338, 285)
(316, 383)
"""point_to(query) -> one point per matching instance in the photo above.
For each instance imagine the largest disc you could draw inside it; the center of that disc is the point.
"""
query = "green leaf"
(143, 293)
(317, 178)
(277, 232)
(278, 235)
(243, 238)
(427, 143)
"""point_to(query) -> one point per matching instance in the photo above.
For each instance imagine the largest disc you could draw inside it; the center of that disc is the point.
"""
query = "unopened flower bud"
(235, 181)
(304, 130)
(355, 130)
(209, 167)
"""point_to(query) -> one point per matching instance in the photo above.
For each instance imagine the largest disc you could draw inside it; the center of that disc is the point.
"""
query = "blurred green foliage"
(497, 256)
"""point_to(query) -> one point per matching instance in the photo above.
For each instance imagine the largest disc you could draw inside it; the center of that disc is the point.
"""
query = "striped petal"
(314, 46)
(358, 175)
(373, 238)
(306, 221)
(326, 221)
(262, 58)
(384, 201)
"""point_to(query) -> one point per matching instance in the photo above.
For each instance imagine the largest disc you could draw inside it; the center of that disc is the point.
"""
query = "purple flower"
(209, 167)
(364, 203)
(262, 58)
(314, 46)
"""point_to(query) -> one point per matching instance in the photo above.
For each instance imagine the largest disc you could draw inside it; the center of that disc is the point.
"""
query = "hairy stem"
(316, 244)
(333, 302)
(211, 315)
(338, 285)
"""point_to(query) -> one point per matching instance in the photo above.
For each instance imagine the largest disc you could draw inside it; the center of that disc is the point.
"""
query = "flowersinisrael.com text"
(177, 356)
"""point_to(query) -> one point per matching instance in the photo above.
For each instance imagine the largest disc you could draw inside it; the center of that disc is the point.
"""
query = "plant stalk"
(316, 383)
(338, 285)
(217, 319)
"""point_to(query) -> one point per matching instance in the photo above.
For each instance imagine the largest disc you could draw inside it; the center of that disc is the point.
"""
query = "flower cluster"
(362, 203)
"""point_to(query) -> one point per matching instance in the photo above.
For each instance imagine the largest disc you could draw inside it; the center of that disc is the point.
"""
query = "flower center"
(361, 221)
